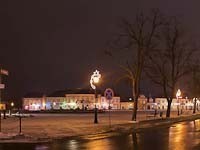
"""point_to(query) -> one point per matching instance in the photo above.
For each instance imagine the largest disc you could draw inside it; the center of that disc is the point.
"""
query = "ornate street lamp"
(94, 80)
(178, 94)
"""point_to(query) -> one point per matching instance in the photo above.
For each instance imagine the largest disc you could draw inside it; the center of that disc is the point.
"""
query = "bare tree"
(195, 83)
(136, 38)
(168, 64)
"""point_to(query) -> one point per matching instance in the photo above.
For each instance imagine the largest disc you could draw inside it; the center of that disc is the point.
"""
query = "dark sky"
(56, 44)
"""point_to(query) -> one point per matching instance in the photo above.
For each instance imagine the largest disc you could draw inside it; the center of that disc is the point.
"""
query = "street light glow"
(178, 93)
(95, 77)
(96, 80)
(12, 104)
(93, 82)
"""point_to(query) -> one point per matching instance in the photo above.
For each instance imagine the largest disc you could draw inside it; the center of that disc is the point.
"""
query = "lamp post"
(12, 105)
(94, 80)
(178, 94)
(195, 105)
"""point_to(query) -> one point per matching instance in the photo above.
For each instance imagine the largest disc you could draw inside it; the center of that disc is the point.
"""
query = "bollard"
(4, 114)
(161, 114)
(20, 124)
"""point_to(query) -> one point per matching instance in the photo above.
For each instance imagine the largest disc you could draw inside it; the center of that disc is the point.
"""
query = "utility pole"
(95, 107)
(20, 123)
(0, 101)
(2, 86)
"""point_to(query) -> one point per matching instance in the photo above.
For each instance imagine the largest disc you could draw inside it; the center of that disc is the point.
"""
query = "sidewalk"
(47, 128)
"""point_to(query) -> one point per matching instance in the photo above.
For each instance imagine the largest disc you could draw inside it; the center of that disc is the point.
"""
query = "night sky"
(49, 45)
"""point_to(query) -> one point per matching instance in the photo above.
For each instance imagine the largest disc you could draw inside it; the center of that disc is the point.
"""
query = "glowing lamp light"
(95, 77)
(178, 93)
(96, 80)
(12, 104)
(93, 82)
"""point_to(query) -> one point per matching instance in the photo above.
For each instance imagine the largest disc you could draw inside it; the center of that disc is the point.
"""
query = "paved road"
(180, 136)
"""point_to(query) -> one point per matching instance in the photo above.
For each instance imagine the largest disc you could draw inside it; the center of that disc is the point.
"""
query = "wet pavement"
(180, 136)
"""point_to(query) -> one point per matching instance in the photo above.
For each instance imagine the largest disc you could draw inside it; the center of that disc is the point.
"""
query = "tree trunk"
(195, 104)
(168, 108)
(134, 116)
(135, 97)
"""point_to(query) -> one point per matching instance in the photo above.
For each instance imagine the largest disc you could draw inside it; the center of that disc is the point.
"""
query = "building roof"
(62, 93)
(34, 95)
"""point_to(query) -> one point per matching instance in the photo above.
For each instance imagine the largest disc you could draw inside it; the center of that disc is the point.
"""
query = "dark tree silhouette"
(195, 84)
(168, 64)
(136, 38)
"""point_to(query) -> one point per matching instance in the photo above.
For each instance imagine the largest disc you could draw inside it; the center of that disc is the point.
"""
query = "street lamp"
(94, 80)
(12, 105)
(178, 94)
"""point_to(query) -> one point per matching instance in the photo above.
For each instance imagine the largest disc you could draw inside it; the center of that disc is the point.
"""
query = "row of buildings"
(161, 104)
(85, 100)
(69, 99)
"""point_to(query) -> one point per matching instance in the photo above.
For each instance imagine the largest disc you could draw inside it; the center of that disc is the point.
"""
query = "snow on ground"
(51, 126)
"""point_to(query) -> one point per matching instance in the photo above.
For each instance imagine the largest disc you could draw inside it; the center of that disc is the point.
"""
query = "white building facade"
(83, 101)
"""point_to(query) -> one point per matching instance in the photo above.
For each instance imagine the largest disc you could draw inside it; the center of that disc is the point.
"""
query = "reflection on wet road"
(181, 136)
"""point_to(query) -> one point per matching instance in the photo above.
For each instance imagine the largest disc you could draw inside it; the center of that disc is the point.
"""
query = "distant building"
(126, 105)
(34, 101)
(114, 102)
(85, 100)
(129, 103)
(142, 102)
(182, 103)
(151, 105)
(69, 99)
(159, 104)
